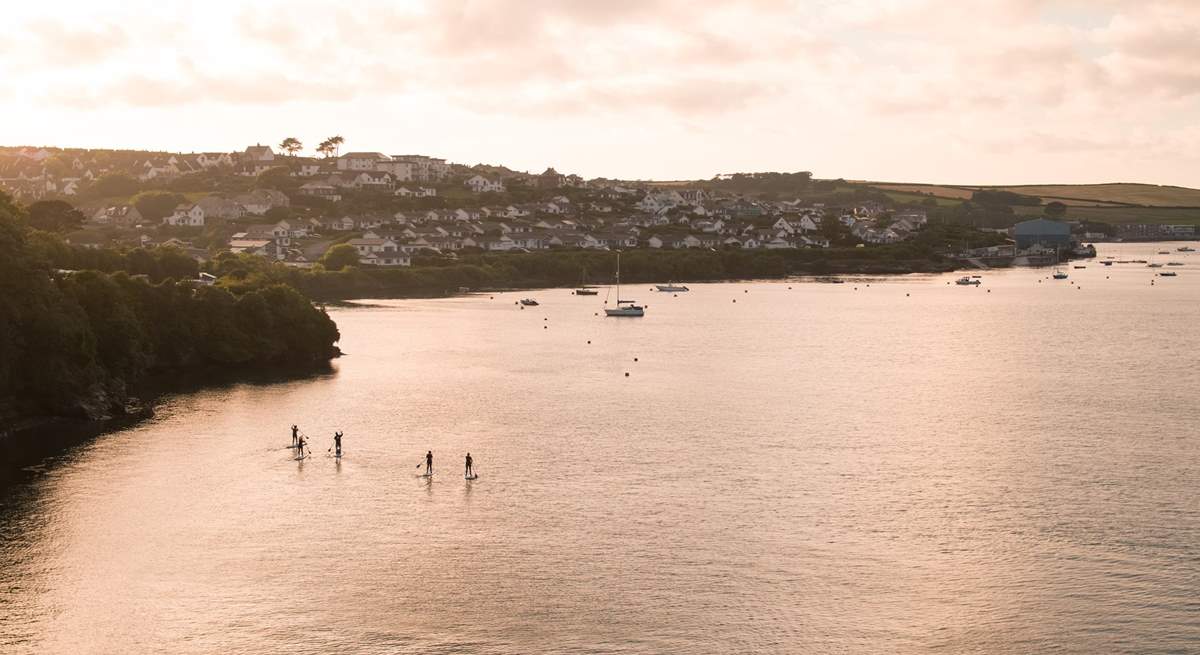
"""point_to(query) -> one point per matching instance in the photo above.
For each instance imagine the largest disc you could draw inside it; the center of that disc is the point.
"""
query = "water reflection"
(908, 467)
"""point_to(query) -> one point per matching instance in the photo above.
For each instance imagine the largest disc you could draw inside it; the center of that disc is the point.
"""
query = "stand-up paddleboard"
(473, 476)
(425, 475)
(301, 458)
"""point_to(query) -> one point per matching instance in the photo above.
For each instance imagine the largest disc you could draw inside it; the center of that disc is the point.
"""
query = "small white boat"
(967, 281)
(1174, 263)
(1185, 249)
(1164, 252)
(1060, 274)
(1168, 274)
(529, 302)
(671, 288)
(1153, 265)
(624, 307)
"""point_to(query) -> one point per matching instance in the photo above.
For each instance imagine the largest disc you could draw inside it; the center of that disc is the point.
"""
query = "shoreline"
(27, 440)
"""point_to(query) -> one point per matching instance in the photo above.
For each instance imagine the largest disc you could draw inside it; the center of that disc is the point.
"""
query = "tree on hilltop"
(336, 142)
(291, 146)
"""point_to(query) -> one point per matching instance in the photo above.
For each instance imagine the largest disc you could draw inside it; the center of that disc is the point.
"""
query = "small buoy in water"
(676, 296)
(522, 306)
(635, 359)
(545, 319)
(906, 295)
(745, 291)
(735, 299)
(627, 374)
(596, 314)
(589, 340)
(491, 297)
(545, 327)
(989, 290)
(789, 288)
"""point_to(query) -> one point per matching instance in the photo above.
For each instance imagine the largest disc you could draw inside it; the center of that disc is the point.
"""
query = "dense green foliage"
(154, 205)
(438, 276)
(341, 256)
(72, 342)
(54, 216)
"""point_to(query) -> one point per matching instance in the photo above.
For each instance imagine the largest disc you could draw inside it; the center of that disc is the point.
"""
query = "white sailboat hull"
(625, 311)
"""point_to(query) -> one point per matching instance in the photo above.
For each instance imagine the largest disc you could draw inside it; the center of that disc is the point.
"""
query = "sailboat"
(624, 307)
(583, 289)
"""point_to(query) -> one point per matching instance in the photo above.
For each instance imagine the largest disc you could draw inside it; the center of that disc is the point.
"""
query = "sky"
(950, 91)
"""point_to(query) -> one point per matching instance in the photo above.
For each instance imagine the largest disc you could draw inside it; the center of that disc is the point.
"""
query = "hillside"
(1081, 195)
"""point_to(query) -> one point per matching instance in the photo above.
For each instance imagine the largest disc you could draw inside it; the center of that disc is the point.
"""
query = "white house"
(214, 159)
(361, 161)
(373, 180)
(185, 214)
(376, 251)
(259, 201)
(258, 152)
(480, 184)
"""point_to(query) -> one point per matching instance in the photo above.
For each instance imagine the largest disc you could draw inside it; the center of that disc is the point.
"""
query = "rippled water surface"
(892, 465)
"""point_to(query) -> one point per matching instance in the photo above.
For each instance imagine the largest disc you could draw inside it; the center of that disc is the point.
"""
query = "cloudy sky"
(979, 91)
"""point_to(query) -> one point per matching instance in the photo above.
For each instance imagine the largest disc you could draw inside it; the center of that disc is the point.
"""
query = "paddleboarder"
(300, 448)
(429, 463)
(337, 443)
(470, 461)
(295, 436)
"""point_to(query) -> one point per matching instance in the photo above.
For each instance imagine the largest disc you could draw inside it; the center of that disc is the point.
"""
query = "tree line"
(73, 343)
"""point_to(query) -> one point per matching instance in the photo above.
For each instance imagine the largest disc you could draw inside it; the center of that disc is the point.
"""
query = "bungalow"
(259, 201)
(655, 241)
(373, 180)
(261, 247)
(118, 215)
(480, 184)
(321, 190)
(214, 159)
(343, 224)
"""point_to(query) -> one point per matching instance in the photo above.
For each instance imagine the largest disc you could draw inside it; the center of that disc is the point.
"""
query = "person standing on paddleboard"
(300, 448)
(295, 436)
(337, 443)
(429, 463)
(470, 461)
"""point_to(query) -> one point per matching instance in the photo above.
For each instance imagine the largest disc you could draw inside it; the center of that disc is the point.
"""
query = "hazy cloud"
(1070, 75)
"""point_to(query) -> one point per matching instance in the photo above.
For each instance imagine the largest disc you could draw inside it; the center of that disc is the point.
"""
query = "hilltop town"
(271, 202)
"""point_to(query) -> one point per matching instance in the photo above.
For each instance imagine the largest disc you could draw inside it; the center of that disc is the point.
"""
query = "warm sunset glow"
(922, 90)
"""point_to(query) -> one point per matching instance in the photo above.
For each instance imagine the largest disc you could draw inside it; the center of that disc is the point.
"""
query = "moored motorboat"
(671, 287)
(529, 302)
(1168, 273)
(1060, 274)
(1185, 249)
(966, 281)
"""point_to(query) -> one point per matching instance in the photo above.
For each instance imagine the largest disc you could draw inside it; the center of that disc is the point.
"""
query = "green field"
(1095, 195)
(1156, 215)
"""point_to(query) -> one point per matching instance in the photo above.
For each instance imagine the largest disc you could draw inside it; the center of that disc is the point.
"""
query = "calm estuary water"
(898, 465)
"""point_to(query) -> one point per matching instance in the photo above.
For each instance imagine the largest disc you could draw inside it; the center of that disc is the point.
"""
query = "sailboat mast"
(618, 278)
